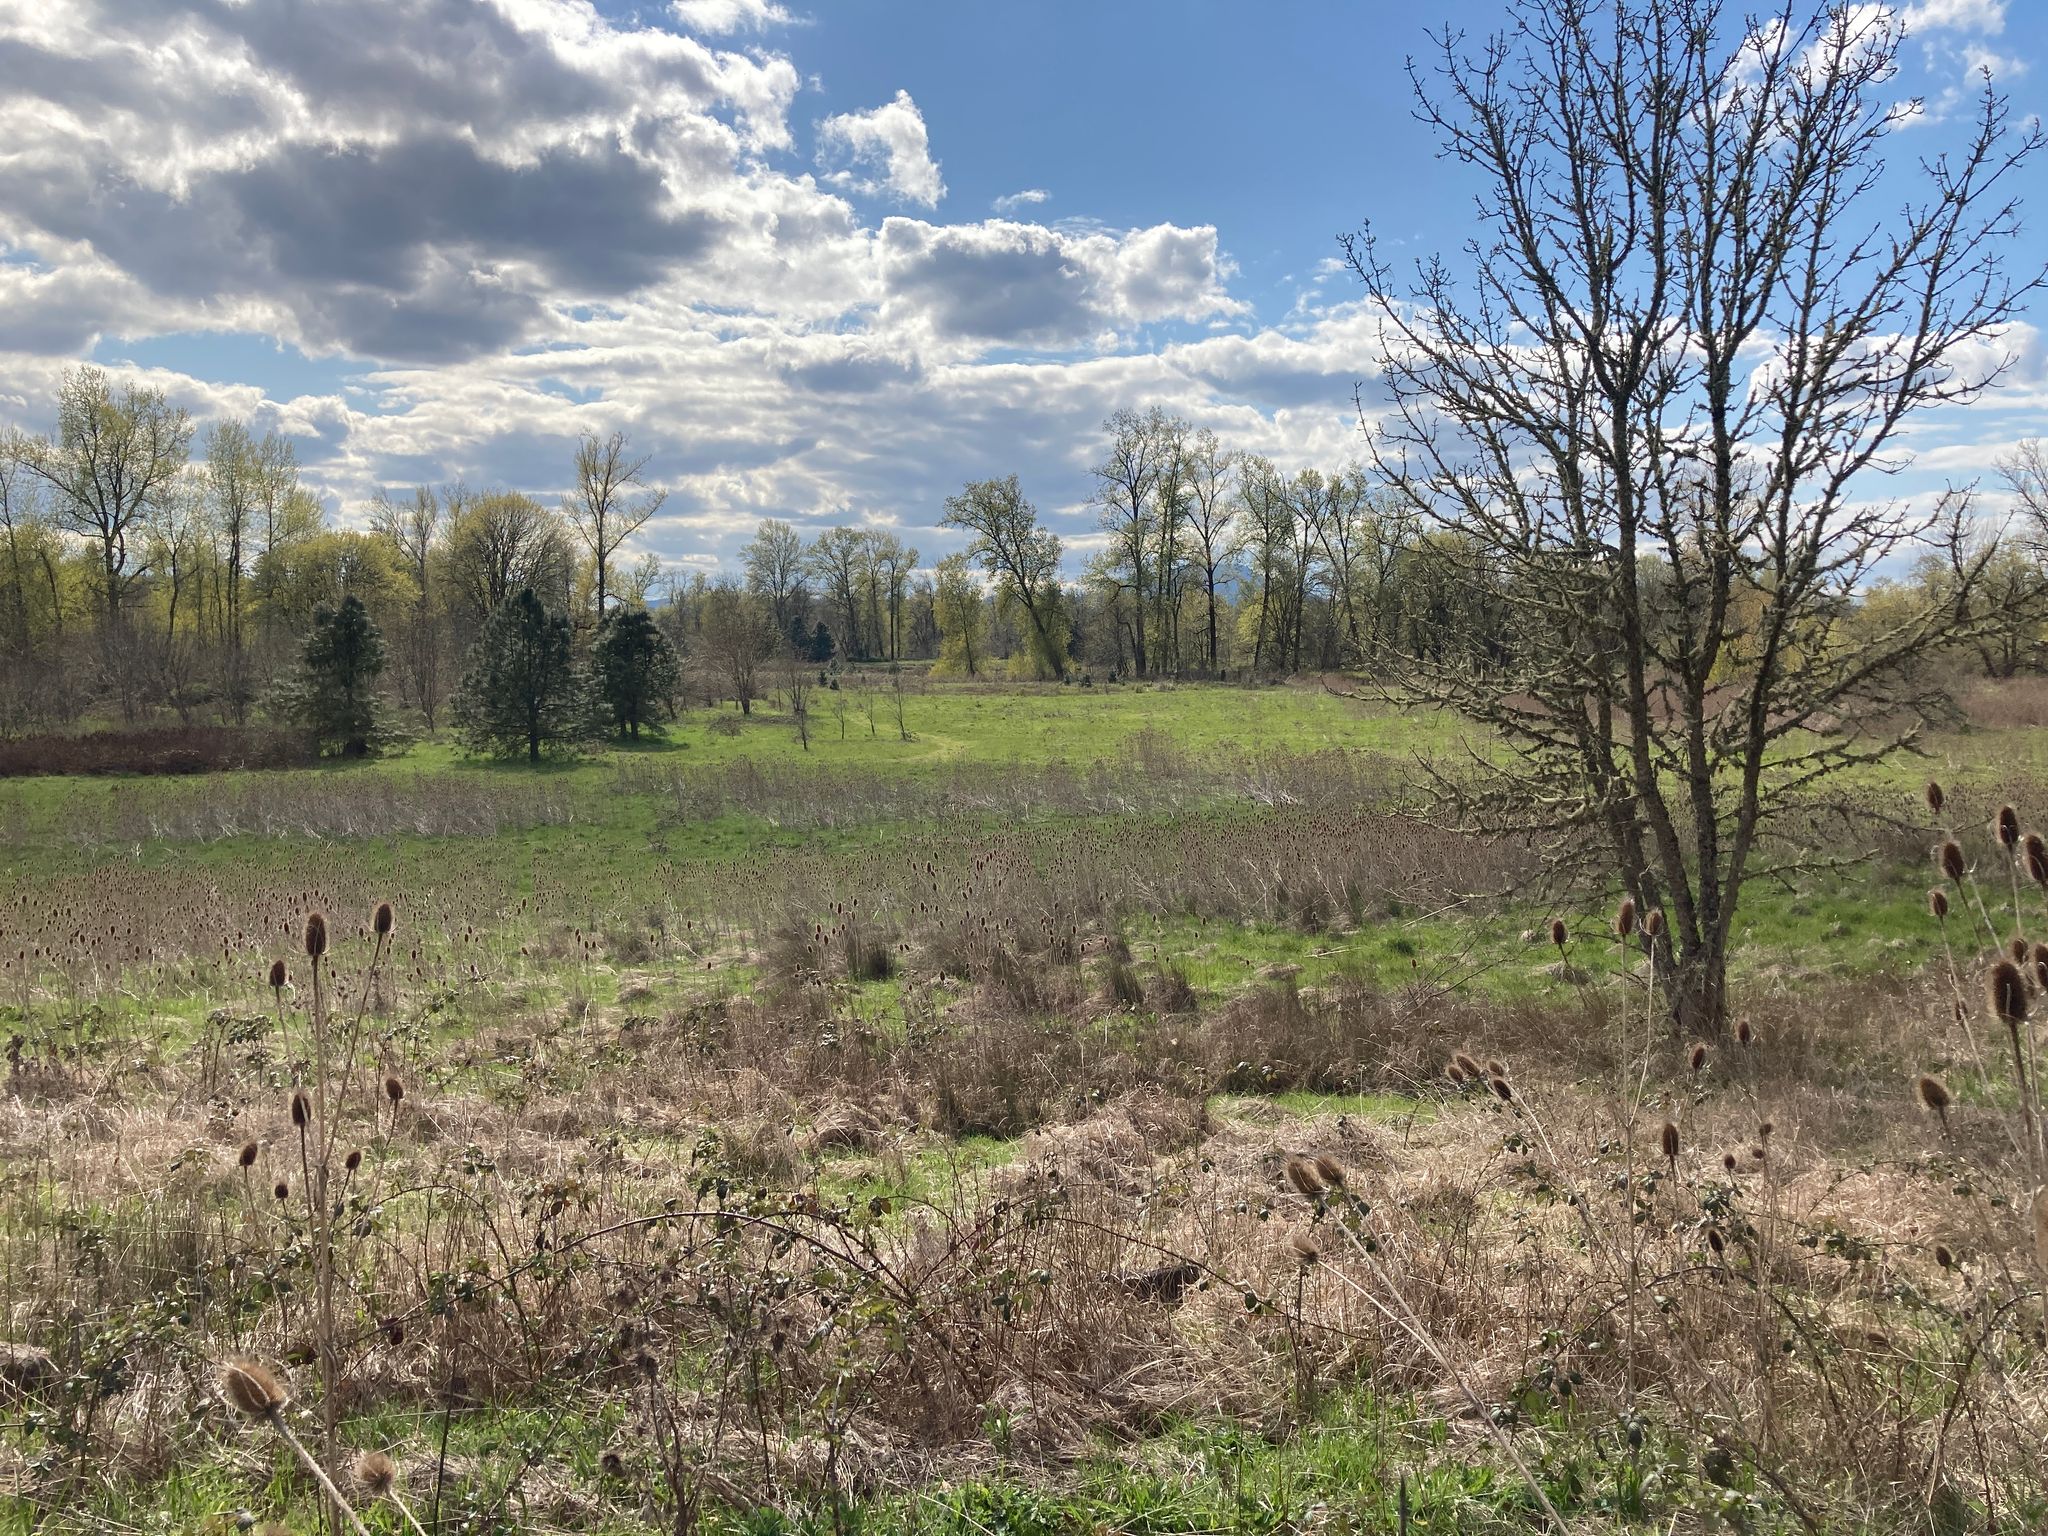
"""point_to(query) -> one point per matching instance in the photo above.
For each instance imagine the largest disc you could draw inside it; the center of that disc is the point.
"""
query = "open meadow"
(1062, 1110)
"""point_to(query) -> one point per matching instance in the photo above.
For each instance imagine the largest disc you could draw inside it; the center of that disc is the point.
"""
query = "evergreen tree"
(335, 693)
(522, 686)
(636, 668)
(822, 645)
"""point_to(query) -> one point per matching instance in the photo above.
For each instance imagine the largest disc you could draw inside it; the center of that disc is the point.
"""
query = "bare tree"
(892, 563)
(1021, 556)
(413, 527)
(231, 472)
(1690, 339)
(736, 640)
(1125, 481)
(837, 559)
(775, 571)
(796, 687)
(2026, 475)
(1212, 520)
(114, 461)
(610, 502)
(1268, 524)
(19, 513)
(958, 606)
(499, 544)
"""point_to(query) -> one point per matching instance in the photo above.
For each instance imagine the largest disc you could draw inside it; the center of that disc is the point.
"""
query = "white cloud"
(718, 17)
(528, 220)
(1954, 15)
(1016, 201)
(890, 139)
(1007, 284)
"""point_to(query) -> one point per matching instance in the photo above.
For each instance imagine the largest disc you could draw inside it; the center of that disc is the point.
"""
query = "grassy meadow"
(1034, 1111)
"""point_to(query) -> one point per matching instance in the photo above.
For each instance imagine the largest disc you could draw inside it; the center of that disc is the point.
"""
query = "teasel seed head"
(248, 1155)
(302, 1108)
(1937, 903)
(394, 1090)
(278, 976)
(376, 1474)
(1933, 1095)
(253, 1388)
(1501, 1090)
(1944, 1256)
(1950, 860)
(1558, 932)
(382, 921)
(2016, 946)
(1653, 922)
(1330, 1171)
(1935, 797)
(1728, 1161)
(2007, 827)
(282, 1189)
(1764, 1129)
(354, 1160)
(316, 935)
(1306, 1249)
(1301, 1173)
(1467, 1065)
(1698, 1058)
(2006, 992)
(1714, 1241)
(1668, 1139)
(2034, 853)
(1625, 917)
(1743, 1033)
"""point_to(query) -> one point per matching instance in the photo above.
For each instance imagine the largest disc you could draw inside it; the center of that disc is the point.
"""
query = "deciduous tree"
(609, 503)
(1701, 307)
(1021, 556)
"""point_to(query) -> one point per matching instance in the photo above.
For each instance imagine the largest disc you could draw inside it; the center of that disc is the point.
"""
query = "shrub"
(170, 749)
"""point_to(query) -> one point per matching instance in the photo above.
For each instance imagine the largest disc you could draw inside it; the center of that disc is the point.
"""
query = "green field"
(813, 1021)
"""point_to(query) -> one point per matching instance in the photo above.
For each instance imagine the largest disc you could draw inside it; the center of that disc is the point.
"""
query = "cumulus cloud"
(718, 17)
(1954, 15)
(891, 141)
(1029, 286)
(502, 223)
(419, 179)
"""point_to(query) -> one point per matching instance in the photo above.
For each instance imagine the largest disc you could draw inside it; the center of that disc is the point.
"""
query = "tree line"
(148, 572)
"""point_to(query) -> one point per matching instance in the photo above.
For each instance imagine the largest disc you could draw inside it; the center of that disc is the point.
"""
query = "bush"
(170, 749)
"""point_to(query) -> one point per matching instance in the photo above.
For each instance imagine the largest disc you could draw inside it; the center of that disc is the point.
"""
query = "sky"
(823, 262)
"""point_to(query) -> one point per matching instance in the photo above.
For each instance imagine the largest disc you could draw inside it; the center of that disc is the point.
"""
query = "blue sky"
(825, 262)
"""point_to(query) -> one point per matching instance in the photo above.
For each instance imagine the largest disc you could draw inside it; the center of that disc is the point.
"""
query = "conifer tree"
(523, 687)
(635, 666)
(335, 692)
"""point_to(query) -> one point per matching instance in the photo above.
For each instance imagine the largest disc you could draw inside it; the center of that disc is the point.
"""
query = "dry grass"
(763, 1237)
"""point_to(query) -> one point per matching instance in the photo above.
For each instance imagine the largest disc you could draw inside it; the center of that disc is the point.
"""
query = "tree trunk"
(1693, 988)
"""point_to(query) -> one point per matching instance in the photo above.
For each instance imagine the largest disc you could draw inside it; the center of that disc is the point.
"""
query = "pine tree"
(334, 693)
(636, 668)
(522, 686)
